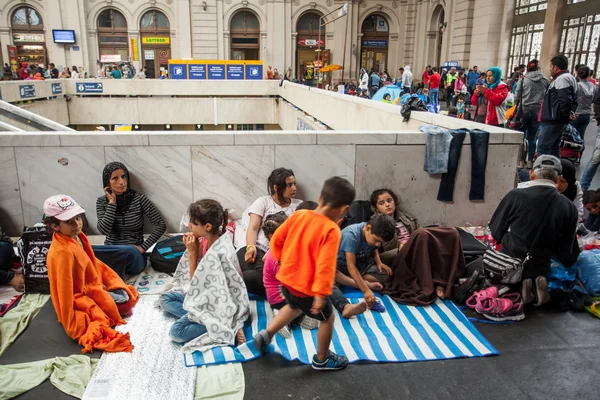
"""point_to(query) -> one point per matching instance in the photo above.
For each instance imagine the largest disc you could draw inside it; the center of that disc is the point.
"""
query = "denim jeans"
(530, 129)
(183, 330)
(449, 96)
(124, 260)
(549, 138)
(479, 150)
(338, 299)
(436, 150)
(434, 96)
(592, 166)
(581, 123)
(7, 255)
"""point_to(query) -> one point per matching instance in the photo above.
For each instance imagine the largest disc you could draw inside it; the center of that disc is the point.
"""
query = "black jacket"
(592, 223)
(518, 218)
(560, 99)
(597, 107)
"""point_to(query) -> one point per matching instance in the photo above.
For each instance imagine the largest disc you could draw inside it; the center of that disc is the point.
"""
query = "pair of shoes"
(285, 332)
(378, 306)
(540, 294)
(262, 340)
(490, 292)
(332, 362)
(501, 309)
(309, 323)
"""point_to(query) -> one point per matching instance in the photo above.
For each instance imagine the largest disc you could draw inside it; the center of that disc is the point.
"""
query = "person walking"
(530, 94)
(558, 107)
(586, 93)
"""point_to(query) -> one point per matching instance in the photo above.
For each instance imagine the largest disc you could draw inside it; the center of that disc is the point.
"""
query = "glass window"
(155, 20)
(26, 16)
(20, 17)
(148, 20)
(309, 23)
(104, 19)
(244, 21)
(34, 17)
(579, 41)
(120, 21)
(528, 6)
(162, 22)
(525, 44)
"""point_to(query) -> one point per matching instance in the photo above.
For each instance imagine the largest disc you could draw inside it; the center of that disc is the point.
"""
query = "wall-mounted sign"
(110, 58)
(27, 91)
(216, 71)
(235, 71)
(178, 71)
(29, 37)
(197, 71)
(254, 72)
(374, 43)
(89, 87)
(148, 54)
(56, 88)
(75, 48)
(451, 64)
(310, 42)
(134, 48)
(156, 40)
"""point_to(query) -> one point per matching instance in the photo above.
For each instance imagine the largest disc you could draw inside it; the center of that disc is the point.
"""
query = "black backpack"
(33, 248)
(166, 254)
(412, 104)
(359, 211)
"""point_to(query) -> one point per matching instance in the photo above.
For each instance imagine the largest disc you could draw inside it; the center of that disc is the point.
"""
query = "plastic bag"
(588, 271)
(560, 277)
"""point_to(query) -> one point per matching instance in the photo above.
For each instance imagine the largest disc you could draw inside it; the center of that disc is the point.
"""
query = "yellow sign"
(156, 40)
(134, 48)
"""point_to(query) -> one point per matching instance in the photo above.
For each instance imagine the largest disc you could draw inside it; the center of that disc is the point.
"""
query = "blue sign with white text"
(178, 71)
(254, 72)
(197, 71)
(374, 43)
(216, 71)
(27, 91)
(89, 87)
(235, 71)
(56, 88)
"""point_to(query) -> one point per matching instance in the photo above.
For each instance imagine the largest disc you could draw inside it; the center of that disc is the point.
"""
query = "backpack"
(166, 254)
(412, 104)
(359, 211)
(33, 248)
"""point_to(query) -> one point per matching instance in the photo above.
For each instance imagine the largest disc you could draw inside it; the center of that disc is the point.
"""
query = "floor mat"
(151, 369)
(16, 320)
(401, 334)
(152, 282)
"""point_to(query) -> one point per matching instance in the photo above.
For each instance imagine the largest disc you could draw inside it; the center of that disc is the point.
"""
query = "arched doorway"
(307, 35)
(245, 36)
(112, 34)
(156, 43)
(28, 35)
(437, 28)
(375, 41)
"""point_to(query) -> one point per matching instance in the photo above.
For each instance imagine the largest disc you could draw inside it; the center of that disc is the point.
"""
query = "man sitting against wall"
(519, 216)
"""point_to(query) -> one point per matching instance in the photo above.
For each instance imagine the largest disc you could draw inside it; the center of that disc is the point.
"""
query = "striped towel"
(401, 334)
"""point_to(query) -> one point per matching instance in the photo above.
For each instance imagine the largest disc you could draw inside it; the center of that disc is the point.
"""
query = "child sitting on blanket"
(357, 258)
(276, 301)
(88, 296)
(306, 247)
(209, 298)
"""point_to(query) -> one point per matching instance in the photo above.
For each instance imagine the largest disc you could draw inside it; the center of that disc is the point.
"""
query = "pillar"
(220, 32)
(552, 30)
(184, 29)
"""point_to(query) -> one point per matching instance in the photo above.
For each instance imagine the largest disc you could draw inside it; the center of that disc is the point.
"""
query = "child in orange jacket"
(88, 296)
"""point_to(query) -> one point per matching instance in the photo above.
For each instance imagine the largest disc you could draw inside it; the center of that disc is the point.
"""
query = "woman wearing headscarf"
(489, 99)
(121, 214)
(364, 80)
(569, 186)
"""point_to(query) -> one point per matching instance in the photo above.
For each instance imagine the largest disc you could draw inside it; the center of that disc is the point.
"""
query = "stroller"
(571, 146)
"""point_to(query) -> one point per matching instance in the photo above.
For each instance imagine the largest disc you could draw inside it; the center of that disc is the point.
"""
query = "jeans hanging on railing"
(436, 149)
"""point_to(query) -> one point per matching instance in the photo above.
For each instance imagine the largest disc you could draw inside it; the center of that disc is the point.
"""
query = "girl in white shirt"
(75, 73)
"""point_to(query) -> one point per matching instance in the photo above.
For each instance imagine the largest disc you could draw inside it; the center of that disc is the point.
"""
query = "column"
(275, 32)
(57, 52)
(552, 30)
(290, 51)
(184, 28)
(220, 33)
(5, 40)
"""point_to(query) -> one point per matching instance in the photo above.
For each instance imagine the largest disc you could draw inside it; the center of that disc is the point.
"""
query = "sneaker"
(285, 332)
(309, 323)
(378, 306)
(262, 340)
(488, 293)
(500, 309)
(540, 293)
(333, 362)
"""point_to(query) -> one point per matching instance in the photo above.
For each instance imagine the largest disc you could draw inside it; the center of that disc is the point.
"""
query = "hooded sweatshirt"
(532, 87)
(586, 93)
(560, 99)
(407, 77)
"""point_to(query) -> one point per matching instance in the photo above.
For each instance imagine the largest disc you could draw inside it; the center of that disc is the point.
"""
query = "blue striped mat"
(401, 334)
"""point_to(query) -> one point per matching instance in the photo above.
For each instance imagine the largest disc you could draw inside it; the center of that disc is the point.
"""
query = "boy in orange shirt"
(306, 246)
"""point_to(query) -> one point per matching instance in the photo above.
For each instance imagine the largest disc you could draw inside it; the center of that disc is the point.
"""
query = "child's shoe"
(378, 306)
(333, 362)
(309, 323)
(285, 332)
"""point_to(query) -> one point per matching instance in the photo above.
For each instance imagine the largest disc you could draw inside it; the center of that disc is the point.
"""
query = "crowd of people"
(40, 72)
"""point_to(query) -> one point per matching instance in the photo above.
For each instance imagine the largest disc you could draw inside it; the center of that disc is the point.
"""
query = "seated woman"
(88, 296)
(209, 296)
(121, 214)
(282, 189)
(570, 187)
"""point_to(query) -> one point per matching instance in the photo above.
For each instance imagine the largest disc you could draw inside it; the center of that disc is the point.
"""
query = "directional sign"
(235, 71)
(88, 87)
(197, 71)
(254, 72)
(56, 88)
(216, 71)
(27, 91)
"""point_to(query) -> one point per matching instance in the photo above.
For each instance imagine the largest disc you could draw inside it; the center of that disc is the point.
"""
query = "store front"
(156, 43)
(28, 36)
(309, 42)
(245, 36)
(112, 34)
(374, 43)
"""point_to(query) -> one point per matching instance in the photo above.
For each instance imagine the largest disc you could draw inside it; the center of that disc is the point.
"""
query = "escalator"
(13, 118)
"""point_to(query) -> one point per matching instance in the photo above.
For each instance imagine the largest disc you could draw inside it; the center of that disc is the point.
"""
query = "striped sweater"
(128, 229)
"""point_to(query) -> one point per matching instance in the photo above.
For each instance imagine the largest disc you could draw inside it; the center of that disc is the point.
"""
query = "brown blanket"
(432, 257)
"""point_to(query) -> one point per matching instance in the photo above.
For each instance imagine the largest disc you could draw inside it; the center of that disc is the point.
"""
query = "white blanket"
(216, 297)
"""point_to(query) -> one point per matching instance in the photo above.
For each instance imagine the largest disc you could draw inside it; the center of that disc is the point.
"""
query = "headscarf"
(569, 174)
(497, 74)
(123, 200)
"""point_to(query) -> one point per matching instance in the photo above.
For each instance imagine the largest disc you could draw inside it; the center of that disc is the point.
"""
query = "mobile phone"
(110, 191)
(480, 82)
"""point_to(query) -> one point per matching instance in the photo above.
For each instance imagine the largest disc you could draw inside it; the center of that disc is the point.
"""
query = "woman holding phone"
(121, 218)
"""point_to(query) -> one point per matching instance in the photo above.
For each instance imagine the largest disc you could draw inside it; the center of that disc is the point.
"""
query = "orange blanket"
(79, 285)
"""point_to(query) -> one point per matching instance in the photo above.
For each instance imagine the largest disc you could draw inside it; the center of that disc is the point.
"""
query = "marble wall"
(177, 168)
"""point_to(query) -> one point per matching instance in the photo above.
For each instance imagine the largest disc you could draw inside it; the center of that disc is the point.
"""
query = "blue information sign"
(27, 91)
(216, 71)
(197, 71)
(254, 72)
(56, 88)
(374, 43)
(89, 87)
(235, 71)
(178, 71)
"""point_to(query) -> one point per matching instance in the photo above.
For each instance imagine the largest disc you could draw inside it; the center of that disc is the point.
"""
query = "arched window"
(113, 20)
(26, 18)
(112, 34)
(245, 36)
(154, 20)
(374, 43)
(308, 25)
(156, 42)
